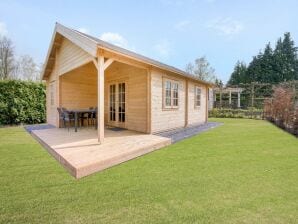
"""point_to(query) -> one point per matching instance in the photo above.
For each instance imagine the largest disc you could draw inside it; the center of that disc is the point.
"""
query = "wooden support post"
(207, 100)
(186, 104)
(238, 100)
(57, 90)
(59, 98)
(230, 97)
(220, 98)
(252, 94)
(149, 101)
(100, 99)
(214, 95)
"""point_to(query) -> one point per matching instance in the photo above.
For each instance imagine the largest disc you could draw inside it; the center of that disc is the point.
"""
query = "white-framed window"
(171, 94)
(197, 96)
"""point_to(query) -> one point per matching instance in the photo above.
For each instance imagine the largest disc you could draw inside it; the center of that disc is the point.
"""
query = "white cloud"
(84, 30)
(225, 26)
(182, 25)
(114, 38)
(163, 48)
(3, 29)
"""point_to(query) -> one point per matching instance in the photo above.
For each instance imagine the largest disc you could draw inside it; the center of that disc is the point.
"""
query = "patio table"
(80, 111)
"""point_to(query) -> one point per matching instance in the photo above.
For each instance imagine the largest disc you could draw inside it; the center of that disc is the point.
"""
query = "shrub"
(281, 109)
(236, 113)
(22, 102)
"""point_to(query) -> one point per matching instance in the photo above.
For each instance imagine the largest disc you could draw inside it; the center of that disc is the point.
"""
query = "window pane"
(175, 94)
(198, 97)
(171, 93)
(168, 93)
(175, 87)
(175, 102)
(168, 101)
(168, 85)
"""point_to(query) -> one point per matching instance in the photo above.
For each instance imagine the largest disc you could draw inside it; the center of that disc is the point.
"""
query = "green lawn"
(245, 171)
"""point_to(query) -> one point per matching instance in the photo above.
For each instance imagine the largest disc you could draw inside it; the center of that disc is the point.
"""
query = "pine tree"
(290, 52)
(253, 72)
(270, 66)
(285, 59)
(266, 71)
(239, 74)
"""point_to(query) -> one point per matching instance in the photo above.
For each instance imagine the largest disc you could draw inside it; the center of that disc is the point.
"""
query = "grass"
(245, 171)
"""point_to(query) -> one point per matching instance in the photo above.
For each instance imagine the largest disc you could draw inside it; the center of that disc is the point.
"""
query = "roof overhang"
(94, 46)
(60, 31)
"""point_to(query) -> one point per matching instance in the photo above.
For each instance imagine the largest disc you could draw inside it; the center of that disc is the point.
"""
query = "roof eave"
(166, 68)
(93, 46)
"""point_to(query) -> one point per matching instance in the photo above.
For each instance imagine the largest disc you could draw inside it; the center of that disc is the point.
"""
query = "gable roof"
(91, 44)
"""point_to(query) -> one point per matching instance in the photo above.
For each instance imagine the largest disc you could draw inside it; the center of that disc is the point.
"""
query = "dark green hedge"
(22, 102)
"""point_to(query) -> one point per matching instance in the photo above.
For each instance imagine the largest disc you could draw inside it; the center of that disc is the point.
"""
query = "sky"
(175, 32)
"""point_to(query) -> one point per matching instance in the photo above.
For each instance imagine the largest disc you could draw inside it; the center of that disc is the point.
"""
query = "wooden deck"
(81, 154)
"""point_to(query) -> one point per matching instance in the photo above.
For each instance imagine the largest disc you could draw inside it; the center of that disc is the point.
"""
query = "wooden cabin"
(131, 91)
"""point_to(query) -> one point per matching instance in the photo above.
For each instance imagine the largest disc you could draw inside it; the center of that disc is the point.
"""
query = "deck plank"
(81, 154)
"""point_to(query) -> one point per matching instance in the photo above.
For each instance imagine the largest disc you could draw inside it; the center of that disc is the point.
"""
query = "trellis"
(247, 95)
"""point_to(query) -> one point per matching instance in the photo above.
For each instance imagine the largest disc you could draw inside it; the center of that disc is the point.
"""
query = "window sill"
(170, 109)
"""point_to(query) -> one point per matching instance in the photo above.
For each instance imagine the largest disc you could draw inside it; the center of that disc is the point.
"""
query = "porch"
(123, 93)
(81, 153)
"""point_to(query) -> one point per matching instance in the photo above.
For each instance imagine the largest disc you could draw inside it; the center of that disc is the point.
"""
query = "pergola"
(228, 90)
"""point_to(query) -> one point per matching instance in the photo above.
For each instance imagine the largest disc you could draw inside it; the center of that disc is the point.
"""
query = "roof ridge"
(135, 55)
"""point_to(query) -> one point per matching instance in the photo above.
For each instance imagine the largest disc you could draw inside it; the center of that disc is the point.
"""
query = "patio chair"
(92, 116)
(95, 117)
(83, 117)
(68, 117)
(61, 116)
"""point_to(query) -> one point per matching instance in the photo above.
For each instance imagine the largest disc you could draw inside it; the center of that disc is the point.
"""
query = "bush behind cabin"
(22, 102)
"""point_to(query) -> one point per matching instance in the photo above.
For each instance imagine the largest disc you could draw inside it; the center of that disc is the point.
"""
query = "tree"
(270, 66)
(285, 59)
(254, 73)
(218, 83)
(266, 73)
(6, 58)
(201, 69)
(27, 69)
(11, 68)
(239, 74)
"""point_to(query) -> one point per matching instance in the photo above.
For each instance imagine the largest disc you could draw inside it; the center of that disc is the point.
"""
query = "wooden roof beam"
(122, 59)
(108, 63)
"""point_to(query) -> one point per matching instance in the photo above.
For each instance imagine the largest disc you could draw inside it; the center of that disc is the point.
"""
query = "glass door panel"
(117, 104)
(121, 102)
(112, 106)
